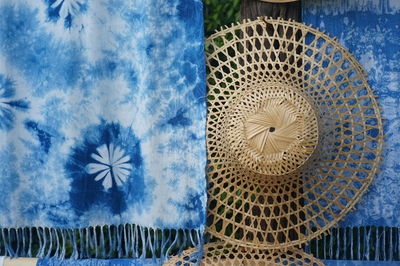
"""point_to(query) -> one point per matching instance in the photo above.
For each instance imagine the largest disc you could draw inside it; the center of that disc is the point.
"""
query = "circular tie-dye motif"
(105, 166)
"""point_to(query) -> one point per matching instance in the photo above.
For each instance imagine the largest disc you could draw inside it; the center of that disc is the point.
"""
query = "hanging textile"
(370, 29)
(102, 127)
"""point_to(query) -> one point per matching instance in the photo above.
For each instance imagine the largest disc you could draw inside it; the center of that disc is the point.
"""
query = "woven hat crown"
(271, 129)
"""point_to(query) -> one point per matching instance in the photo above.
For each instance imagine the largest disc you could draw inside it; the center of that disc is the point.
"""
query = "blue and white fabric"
(102, 123)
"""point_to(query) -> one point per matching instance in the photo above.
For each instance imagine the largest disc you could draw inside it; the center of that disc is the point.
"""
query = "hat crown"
(272, 129)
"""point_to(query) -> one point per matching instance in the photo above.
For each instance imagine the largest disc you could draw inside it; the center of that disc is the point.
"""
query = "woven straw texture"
(294, 133)
(271, 129)
(223, 254)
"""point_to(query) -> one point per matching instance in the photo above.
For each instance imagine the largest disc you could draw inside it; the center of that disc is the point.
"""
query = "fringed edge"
(373, 243)
(123, 241)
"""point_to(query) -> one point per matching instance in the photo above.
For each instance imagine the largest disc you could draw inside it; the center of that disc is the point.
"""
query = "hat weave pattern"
(224, 254)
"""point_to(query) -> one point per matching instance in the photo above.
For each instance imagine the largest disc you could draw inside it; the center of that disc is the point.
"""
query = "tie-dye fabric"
(371, 31)
(102, 122)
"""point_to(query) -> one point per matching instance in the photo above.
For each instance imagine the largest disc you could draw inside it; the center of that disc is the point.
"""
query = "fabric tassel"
(344, 244)
(75, 254)
(337, 243)
(30, 243)
(136, 238)
(63, 244)
(42, 241)
(50, 243)
(358, 243)
(351, 243)
(124, 241)
(367, 238)
(390, 244)
(331, 245)
(384, 243)
(377, 244)
(364, 242)
(398, 244)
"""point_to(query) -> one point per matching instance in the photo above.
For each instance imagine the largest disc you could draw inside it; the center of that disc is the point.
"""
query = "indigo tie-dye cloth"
(370, 29)
(102, 127)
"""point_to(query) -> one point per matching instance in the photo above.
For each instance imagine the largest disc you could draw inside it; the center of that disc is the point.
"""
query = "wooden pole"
(251, 9)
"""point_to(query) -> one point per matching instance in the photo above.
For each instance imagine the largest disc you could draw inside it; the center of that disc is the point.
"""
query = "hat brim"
(224, 254)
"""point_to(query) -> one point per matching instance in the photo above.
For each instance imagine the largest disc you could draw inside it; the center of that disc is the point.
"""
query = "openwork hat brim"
(223, 254)
(260, 207)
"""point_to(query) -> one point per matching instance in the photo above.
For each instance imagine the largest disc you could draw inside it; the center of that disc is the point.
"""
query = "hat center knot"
(272, 129)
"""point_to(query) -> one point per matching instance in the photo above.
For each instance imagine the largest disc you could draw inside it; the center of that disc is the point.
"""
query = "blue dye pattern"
(102, 108)
(371, 31)
(47, 63)
(192, 205)
(114, 169)
(43, 136)
(9, 179)
(8, 105)
(180, 119)
(65, 10)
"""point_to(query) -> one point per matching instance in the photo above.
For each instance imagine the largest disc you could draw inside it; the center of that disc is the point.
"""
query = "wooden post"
(251, 9)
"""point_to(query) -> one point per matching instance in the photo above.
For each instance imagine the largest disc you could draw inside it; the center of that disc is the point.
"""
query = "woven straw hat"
(294, 133)
(223, 254)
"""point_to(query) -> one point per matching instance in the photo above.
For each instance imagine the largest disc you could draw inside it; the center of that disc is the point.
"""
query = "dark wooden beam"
(251, 9)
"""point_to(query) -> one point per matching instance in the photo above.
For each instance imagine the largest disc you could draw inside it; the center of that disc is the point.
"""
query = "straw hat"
(294, 133)
(223, 254)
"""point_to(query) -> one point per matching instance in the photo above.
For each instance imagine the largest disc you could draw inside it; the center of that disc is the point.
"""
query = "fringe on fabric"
(371, 243)
(123, 241)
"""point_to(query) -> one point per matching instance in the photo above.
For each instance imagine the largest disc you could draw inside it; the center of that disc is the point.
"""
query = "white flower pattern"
(112, 164)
